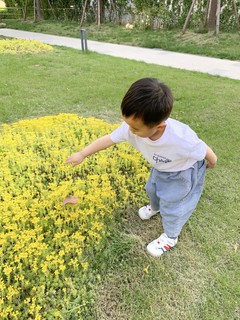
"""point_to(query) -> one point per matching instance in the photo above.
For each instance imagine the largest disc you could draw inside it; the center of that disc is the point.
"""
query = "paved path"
(213, 66)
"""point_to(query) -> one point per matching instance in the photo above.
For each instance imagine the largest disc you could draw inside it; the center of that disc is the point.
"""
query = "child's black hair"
(148, 99)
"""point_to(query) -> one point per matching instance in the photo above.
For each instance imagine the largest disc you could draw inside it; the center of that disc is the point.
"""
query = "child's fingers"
(71, 200)
(75, 159)
(68, 160)
(73, 164)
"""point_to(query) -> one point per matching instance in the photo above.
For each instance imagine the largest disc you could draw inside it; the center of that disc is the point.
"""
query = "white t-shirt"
(177, 149)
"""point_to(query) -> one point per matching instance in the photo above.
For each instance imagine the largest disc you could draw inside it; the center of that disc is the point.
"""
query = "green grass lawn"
(199, 279)
(226, 45)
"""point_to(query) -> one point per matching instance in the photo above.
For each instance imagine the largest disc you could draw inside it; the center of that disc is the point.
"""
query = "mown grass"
(226, 45)
(199, 279)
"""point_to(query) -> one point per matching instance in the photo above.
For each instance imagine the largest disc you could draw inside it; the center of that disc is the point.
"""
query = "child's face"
(137, 127)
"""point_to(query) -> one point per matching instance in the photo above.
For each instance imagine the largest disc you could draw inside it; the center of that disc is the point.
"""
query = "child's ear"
(161, 125)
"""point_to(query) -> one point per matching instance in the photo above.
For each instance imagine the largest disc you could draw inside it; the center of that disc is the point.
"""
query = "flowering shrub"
(15, 46)
(46, 248)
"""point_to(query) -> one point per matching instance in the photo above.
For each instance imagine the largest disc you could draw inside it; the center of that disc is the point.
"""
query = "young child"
(178, 157)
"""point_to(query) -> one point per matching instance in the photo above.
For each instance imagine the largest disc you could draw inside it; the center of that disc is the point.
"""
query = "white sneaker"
(161, 245)
(146, 212)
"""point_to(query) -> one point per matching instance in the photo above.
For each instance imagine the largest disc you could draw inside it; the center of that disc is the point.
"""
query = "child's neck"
(157, 135)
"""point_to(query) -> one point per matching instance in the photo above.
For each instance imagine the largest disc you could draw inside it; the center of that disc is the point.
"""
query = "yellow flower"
(2, 285)
(146, 269)
(15, 46)
(43, 243)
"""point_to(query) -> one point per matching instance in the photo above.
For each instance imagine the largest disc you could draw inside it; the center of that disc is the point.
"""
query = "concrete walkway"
(213, 66)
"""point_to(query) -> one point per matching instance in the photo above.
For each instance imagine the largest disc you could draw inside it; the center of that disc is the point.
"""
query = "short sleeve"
(198, 150)
(120, 134)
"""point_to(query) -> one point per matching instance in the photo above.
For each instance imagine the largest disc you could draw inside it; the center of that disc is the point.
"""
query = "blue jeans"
(176, 195)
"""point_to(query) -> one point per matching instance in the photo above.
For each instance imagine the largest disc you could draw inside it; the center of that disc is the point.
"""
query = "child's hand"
(75, 159)
(211, 158)
(71, 200)
(211, 165)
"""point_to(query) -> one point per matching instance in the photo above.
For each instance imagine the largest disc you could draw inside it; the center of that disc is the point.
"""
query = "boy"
(178, 157)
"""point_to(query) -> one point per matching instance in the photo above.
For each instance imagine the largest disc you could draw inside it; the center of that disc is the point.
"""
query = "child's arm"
(211, 158)
(99, 144)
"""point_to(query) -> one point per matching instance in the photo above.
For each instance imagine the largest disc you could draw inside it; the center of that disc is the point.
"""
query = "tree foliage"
(154, 14)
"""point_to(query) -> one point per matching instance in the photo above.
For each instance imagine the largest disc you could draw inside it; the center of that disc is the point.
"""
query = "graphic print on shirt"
(157, 158)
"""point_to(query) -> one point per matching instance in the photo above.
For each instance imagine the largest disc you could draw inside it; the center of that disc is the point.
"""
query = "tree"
(37, 10)
(100, 12)
(212, 15)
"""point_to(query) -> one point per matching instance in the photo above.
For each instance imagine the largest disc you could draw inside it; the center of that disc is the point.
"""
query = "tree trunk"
(205, 15)
(37, 10)
(83, 13)
(188, 16)
(100, 12)
(212, 15)
(236, 14)
(25, 10)
(218, 16)
(51, 7)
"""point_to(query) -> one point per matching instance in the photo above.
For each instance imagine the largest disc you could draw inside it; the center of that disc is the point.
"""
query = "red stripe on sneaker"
(167, 247)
